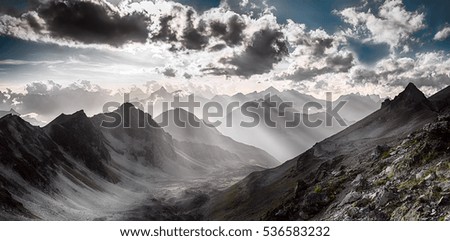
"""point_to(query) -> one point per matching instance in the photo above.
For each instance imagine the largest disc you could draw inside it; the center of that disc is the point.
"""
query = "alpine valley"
(393, 164)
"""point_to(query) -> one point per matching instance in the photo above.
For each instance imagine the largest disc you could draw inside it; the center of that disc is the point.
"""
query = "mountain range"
(83, 168)
(391, 165)
(205, 143)
(280, 142)
(283, 131)
(126, 165)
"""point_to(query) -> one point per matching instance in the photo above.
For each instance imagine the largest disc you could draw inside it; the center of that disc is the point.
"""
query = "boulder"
(350, 198)
(384, 197)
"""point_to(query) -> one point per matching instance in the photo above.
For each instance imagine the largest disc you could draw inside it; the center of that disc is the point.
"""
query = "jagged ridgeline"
(75, 168)
(392, 165)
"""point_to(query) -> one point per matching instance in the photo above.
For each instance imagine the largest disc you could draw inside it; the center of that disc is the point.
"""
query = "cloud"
(92, 22)
(187, 76)
(254, 8)
(333, 64)
(442, 34)
(266, 48)
(430, 69)
(169, 72)
(49, 99)
(184, 28)
(391, 23)
(165, 32)
(76, 22)
(192, 37)
(242, 45)
(242, 40)
(27, 62)
(40, 88)
(231, 32)
(315, 53)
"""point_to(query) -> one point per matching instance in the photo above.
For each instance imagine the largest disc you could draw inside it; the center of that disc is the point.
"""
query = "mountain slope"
(441, 101)
(28, 151)
(348, 175)
(139, 139)
(357, 107)
(75, 169)
(28, 160)
(78, 136)
(206, 144)
(282, 132)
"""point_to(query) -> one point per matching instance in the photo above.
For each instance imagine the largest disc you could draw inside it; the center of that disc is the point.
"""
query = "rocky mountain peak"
(411, 97)
(76, 119)
(411, 93)
(131, 116)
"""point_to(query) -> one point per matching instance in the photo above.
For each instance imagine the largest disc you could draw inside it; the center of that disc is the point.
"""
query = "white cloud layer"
(392, 24)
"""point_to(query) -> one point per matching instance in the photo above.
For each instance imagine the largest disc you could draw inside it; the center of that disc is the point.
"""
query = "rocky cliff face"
(406, 180)
(28, 151)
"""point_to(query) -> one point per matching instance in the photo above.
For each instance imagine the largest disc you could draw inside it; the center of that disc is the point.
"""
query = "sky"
(51, 47)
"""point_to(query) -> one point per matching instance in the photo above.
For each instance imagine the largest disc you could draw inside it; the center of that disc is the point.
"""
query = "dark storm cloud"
(268, 47)
(197, 32)
(89, 22)
(218, 28)
(192, 37)
(165, 33)
(340, 63)
(318, 45)
(231, 32)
